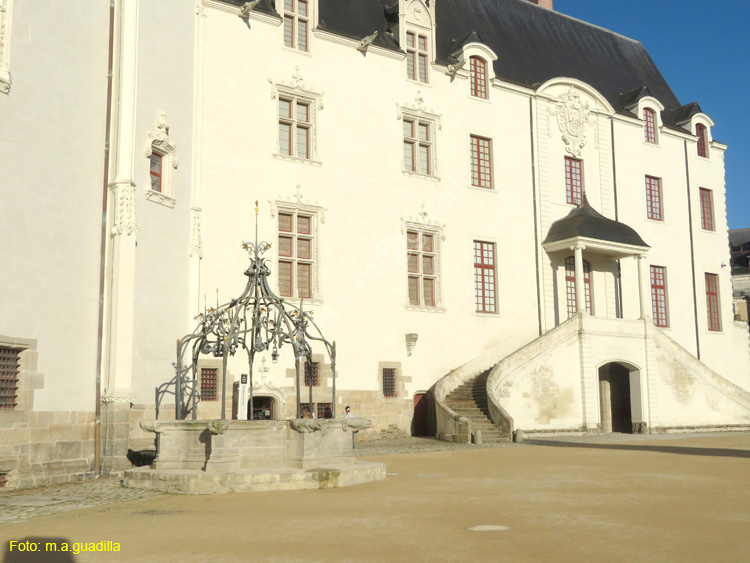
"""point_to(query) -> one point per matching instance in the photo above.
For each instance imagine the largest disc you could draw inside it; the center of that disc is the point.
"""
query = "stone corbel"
(307, 425)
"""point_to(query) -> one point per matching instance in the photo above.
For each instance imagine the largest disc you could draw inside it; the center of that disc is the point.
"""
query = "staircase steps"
(470, 401)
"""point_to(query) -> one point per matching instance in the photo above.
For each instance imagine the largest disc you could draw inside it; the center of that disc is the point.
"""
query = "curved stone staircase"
(469, 401)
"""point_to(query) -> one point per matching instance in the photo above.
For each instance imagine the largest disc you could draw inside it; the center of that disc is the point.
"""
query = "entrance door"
(262, 408)
(423, 414)
(614, 391)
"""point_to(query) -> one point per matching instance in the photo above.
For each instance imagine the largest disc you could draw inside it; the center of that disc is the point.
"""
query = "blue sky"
(702, 49)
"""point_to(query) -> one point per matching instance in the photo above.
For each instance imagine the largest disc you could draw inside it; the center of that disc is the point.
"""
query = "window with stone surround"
(701, 133)
(707, 210)
(312, 374)
(478, 70)
(10, 362)
(422, 259)
(712, 302)
(417, 56)
(654, 199)
(418, 146)
(162, 158)
(208, 384)
(389, 382)
(481, 162)
(649, 129)
(573, 181)
(484, 277)
(297, 253)
(296, 24)
(295, 128)
(659, 307)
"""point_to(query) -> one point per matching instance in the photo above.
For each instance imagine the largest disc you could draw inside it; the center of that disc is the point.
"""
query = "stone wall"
(41, 447)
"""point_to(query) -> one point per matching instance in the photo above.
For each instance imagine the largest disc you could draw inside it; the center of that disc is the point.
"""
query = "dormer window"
(649, 130)
(416, 56)
(296, 23)
(478, 69)
(700, 131)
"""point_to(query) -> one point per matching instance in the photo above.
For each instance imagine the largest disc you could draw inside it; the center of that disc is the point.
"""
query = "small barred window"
(389, 382)
(208, 384)
(312, 375)
(10, 360)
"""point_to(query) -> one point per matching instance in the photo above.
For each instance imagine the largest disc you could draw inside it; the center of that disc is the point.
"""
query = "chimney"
(543, 3)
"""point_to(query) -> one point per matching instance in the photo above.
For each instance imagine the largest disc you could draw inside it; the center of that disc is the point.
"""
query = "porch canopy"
(584, 228)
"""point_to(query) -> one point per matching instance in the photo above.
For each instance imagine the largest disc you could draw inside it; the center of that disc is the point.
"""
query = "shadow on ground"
(681, 450)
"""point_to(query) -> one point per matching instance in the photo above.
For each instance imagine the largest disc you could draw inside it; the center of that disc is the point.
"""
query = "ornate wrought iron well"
(257, 321)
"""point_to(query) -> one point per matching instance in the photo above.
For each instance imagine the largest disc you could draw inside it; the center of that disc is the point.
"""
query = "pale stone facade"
(95, 296)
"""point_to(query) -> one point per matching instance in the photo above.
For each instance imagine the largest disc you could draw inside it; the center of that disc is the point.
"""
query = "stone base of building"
(197, 482)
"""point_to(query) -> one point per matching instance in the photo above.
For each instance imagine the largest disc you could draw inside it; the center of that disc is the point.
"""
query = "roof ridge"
(589, 24)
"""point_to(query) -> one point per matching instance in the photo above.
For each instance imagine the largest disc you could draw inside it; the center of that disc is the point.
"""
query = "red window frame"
(485, 288)
(573, 181)
(654, 199)
(659, 307)
(314, 375)
(208, 384)
(707, 209)
(649, 130)
(158, 176)
(570, 286)
(10, 362)
(416, 57)
(700, 131)
(389, 382)
(712, 303)
(478, 68)
(481, 162)
(296, 24)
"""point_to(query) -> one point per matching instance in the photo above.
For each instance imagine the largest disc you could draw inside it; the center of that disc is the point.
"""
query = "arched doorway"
(262, 408)
(619, 396)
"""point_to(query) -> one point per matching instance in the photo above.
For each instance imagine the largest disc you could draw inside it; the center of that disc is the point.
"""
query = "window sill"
(655, 221)
(656, 145)
(317, 300)
(298, 51)
(425, 309)
(418, 83)
(491, 190)
(291, 158)
(478, 99)
(432, 177)
(486, 315)
(160, 198)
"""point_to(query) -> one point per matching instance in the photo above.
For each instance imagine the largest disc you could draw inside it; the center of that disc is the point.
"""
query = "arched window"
(700, 131)
(649, 131)
(570, 285)
(478, 67)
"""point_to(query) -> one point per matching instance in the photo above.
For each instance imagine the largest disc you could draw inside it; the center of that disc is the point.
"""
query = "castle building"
(479, 195)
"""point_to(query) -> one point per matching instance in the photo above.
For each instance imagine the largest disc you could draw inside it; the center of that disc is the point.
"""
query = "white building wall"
(52, 144)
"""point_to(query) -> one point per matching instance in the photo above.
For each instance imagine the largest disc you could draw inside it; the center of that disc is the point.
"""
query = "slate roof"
(586, 222)
(533, 44)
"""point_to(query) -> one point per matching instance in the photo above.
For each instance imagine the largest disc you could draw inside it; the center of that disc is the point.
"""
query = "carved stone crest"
(573, 116)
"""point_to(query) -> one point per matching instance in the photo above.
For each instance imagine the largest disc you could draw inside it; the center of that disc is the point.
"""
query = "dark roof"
(585, 221)
(533, 44)
(739, 238)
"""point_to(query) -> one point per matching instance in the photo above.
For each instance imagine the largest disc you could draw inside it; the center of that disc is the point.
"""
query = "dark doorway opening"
(422, 423)
(262, 408)
(614, 392)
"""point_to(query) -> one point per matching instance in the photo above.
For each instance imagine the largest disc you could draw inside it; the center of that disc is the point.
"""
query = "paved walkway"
(19, 505)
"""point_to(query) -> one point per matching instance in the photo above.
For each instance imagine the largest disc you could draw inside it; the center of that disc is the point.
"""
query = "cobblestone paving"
(23, 504)
(29, 503)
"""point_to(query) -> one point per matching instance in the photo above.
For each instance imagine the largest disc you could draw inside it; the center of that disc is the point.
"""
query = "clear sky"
(702, 48)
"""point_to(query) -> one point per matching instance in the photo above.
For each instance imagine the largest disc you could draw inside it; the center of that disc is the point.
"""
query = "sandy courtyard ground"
(675, 499)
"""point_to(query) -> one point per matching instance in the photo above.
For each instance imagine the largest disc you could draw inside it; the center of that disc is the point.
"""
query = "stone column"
(605, 398)
(580, 282)
(643, 287)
